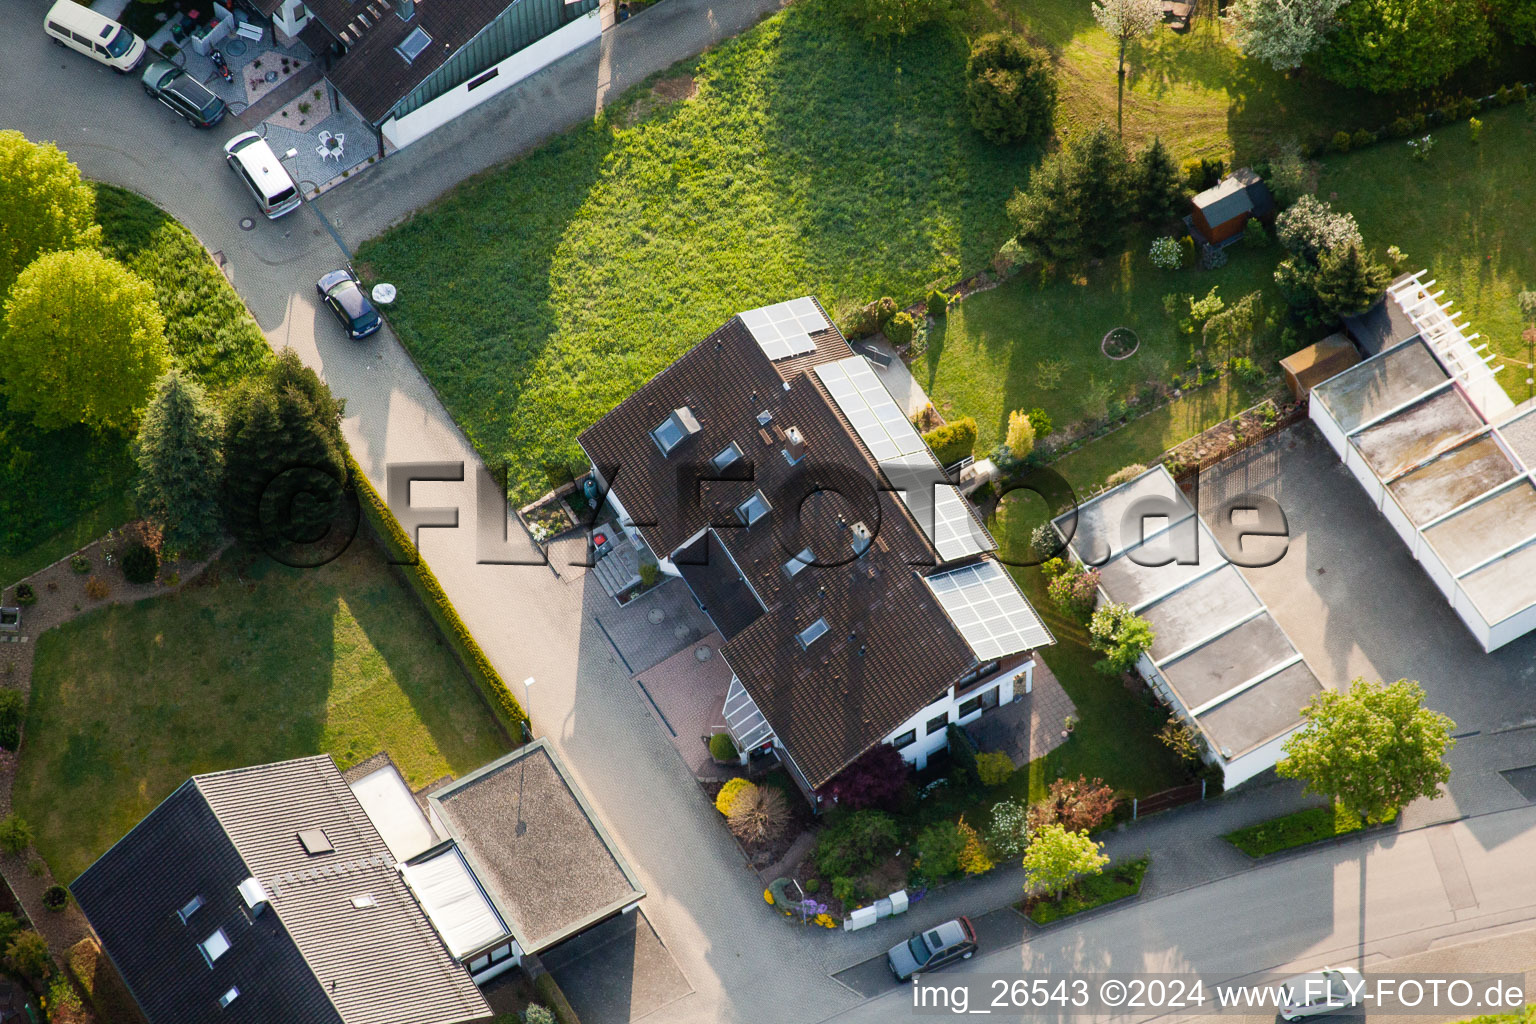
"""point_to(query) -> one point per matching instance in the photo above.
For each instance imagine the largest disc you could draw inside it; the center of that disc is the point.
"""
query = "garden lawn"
(253, 663)
(1464, 214)
(1118, 882)
(1197, 91)
(1284, 833)
(1030, 344)
(1115, 738)
(809, 162)
(61, 489)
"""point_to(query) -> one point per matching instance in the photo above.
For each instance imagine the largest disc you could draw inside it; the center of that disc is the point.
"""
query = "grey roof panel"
(1417, 433)
(1377, 386)
(1261, 712)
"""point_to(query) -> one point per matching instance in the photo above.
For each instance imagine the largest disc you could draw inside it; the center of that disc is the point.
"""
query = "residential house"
(409, 66)
(853, 584)
(281, 892)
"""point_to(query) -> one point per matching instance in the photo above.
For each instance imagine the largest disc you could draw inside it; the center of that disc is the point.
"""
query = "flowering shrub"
(726, 798)
(1166, 253)
(825, 920)
(1074, 590)
(1009, 831)
(1421, 147)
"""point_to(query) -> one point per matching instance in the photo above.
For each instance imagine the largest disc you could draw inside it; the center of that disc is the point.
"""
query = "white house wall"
(405, 130)
(1245, 766)
(1319, 414)
(917, 753)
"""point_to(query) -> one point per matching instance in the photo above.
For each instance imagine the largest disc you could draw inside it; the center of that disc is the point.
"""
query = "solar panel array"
(904, 457)
(989, 611)
(879, 422)
(785, 330)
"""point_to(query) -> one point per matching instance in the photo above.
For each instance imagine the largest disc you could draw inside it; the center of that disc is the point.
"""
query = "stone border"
(1104, 343)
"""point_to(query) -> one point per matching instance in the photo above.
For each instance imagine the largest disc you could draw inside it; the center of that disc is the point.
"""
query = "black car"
(931, 949)
(184, 94)
(343, 293)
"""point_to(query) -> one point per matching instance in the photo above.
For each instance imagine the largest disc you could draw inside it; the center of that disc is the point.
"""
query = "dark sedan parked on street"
(343, 293)
(931, 949)
(183, 94)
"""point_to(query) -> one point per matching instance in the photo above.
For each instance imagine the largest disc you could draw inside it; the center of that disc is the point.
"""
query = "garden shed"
(1309, 367)
(1223, 210)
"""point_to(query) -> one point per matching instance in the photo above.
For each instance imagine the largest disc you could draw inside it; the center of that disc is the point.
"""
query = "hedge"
(953, 441)
(416, 572)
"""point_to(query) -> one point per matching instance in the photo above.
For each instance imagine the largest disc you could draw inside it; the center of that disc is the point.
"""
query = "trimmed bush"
(900, 329)
(733, 788)
(1039, 419)
(536, 1014)
(722, 747)
(25, 594)
(1362, 138)
(937, 303)
(15, 834)
(1340, 142)
(852, 844)
(140, 564)
(55, 897)
(953, 441)
(1254, 233)
(97, 588)
(939, 847)
(994, 767)
(1401, 127)
(79, 564)
(1009, 88)
(13, 708)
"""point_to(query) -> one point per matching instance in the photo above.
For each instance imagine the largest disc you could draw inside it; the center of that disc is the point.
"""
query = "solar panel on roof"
(785, 329)
(871, 411)
(988, 609)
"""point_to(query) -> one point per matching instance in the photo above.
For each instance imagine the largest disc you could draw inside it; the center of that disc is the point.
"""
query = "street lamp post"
(527, 708)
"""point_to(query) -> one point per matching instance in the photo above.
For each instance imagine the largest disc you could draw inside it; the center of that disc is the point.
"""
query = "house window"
(411, 46)
(936, 724)
(989, 698)
(753, 509)
(479, 963)
(214, 946)
(727, 456)
(794, 565)
(191, 908)
(969, 707)
(229, 997)
(906, 739)
(810, 634)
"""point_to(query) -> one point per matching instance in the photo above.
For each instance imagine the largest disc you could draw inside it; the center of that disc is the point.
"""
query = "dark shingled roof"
(311, 955)
(718, 585)
(889, 648)
(536, 846)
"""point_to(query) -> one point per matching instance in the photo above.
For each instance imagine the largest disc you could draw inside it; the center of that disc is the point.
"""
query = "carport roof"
(1221, 654)
(1369, 390)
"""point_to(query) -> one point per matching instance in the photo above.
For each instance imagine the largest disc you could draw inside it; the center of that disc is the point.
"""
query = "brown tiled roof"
(889, 648)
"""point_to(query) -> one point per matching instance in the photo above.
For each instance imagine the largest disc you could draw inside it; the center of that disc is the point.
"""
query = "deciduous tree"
(1121, 636)
(1282, 32)
(876, 779)
(1392, 45)
(1373, 748)
(181, 462)
(1075, 804)
(1126, 20)
(1056, 858)
(83, 342)
(44, 206)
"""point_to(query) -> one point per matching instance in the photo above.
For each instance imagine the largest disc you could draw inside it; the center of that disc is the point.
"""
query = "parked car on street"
(1322, 992)
(933, 948)
(343, 293)
(184, 94)
(270, 184)
(97, 36)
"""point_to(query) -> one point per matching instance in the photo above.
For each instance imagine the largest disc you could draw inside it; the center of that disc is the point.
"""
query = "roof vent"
(254, 894)
(861, 538)
(316, 841)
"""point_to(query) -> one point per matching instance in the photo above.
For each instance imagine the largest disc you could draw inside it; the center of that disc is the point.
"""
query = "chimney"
(794, 445)
(255, 895)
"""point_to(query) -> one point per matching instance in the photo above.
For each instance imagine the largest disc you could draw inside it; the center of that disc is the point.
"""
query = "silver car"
(1322, 992)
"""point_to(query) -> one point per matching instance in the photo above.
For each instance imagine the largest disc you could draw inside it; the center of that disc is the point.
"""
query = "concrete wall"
(1245, 766)
(918, 753)
(406, 130)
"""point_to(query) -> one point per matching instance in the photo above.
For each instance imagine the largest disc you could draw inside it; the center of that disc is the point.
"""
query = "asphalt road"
(1364, 903)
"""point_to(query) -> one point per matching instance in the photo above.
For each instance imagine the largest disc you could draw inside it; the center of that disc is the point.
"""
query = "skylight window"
(728, 455)
(753, 509)
(675, 429)
(794, 565)
(364, 901)
(229, 997)
(411, 46)
(214, 946)
(315, 841)
(191, 908)
(810, 634)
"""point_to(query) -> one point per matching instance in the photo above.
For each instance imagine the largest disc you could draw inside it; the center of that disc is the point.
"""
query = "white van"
(95, 35)
(257, 166)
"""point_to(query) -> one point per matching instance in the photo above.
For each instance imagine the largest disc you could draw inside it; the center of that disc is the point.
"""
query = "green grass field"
(61, 489)
(1462, 214)
(254, 663)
